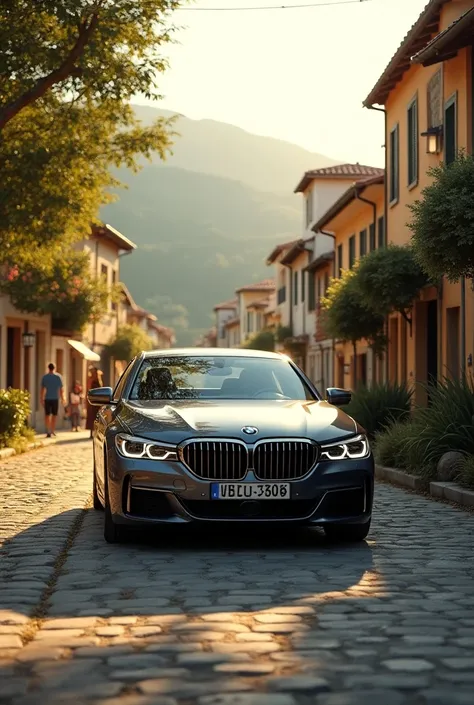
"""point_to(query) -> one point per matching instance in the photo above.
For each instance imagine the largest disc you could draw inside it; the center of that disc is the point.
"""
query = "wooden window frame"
(413, 150)
(394, 171)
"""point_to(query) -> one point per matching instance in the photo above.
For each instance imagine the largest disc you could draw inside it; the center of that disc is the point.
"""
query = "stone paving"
(211, 618)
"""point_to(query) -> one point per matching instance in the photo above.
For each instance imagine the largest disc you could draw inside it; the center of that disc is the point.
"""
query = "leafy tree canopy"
(443, 221)
(389, 279)
(129, 341)
(56, 161)
(347, 316)
(99, 50)
(56, 282)
(264, 340)
(67, 71)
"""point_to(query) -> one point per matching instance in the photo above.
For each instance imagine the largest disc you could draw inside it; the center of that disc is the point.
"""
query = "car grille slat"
(216, 460)
(284, 460)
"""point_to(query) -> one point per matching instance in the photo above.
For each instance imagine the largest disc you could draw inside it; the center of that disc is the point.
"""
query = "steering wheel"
(269, 391)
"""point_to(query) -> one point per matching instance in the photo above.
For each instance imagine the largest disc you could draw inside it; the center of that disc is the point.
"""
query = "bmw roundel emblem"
(250, 430)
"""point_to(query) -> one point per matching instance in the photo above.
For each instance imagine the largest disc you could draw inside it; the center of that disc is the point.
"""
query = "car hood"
(177, 421)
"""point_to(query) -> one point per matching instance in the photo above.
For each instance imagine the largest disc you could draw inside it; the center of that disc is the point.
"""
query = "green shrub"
(446, 424)
(377, 407)
(14, 412)
(466, 475)
(390, 445)
(282, 333)
(264, 340)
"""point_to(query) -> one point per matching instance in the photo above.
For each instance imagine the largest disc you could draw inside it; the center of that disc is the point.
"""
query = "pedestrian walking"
(94, 380)
(52, 391)
(75, 405)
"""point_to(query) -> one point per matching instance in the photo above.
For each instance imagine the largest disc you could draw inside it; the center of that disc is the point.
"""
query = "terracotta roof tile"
(338, 171)
(265, 285)
(231, 304)
(415, 39)
(455, 36)
(279, 249)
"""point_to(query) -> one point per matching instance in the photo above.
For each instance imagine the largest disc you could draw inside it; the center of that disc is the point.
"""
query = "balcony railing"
(281, 295)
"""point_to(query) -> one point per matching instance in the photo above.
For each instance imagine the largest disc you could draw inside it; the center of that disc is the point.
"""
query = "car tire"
(113, 533)
(347, 532)
(95, 497)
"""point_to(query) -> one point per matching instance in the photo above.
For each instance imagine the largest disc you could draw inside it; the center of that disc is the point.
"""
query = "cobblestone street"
(268, 619)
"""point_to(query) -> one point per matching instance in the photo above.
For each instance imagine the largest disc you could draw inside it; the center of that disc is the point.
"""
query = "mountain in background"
(206, 219)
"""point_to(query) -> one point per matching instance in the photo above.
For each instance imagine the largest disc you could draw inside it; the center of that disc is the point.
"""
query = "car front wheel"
(347, 532)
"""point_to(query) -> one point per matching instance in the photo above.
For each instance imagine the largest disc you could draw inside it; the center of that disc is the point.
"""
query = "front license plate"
(250, 490)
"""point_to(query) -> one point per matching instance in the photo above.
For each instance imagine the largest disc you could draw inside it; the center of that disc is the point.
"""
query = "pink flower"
(13, 274)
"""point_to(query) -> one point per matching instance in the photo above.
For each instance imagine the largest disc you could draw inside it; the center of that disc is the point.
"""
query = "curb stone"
(35, 445)
(448, 491)
(41, 441)
(452, 492)
(401, 478)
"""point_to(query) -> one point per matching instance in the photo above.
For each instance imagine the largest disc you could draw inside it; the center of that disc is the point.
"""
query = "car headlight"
(352, 449)
(131, 447)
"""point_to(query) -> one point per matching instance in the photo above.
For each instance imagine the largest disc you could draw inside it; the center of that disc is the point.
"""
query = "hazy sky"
(298, 75)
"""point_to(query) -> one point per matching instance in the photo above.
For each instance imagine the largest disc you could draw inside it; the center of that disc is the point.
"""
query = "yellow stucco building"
(357, 221)
(426, 92)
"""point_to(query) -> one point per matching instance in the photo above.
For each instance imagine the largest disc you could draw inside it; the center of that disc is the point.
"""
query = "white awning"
(86, 353)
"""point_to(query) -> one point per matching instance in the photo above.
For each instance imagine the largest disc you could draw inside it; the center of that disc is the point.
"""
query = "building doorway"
(453, 355)
(431, 345)
(13, 357)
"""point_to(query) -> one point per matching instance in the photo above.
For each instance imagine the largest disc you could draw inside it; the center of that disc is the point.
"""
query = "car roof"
(214, 352)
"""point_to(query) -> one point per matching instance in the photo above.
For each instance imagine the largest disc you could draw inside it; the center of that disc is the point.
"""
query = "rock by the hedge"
(449, 466)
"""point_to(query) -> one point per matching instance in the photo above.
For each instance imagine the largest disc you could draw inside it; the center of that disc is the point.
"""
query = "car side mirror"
(338, 397)
(100, 396)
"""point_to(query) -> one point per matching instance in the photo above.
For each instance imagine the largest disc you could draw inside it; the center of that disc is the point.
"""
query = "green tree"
(103, 51)
(264, 340)
(129, 341)
(442, 221)
(68, 69)
(56, 169)
(59, 283)
(389, 280)
(347, 316)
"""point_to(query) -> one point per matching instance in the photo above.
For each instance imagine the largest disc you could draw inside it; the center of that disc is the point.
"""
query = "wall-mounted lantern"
(28, 340)
(347, 368)
(434, 138)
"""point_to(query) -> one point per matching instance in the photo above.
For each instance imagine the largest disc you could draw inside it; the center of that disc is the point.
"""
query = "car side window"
(122, 382)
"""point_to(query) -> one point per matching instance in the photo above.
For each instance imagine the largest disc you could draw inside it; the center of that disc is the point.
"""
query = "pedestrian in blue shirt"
(52, 390)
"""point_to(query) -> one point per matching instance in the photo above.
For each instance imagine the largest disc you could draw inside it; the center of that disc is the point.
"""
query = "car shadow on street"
(173, 605)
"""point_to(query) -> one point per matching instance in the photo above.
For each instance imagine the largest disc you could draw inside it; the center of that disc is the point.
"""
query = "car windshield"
(221, 377)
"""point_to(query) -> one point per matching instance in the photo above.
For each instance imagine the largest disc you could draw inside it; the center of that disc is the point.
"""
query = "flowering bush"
(57, 283)
(14, 412)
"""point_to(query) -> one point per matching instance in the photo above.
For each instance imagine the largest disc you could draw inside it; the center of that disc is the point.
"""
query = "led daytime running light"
(342, 450)
(146, 449)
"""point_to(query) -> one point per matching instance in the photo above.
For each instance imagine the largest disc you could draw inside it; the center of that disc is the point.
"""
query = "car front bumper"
(154, 492)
